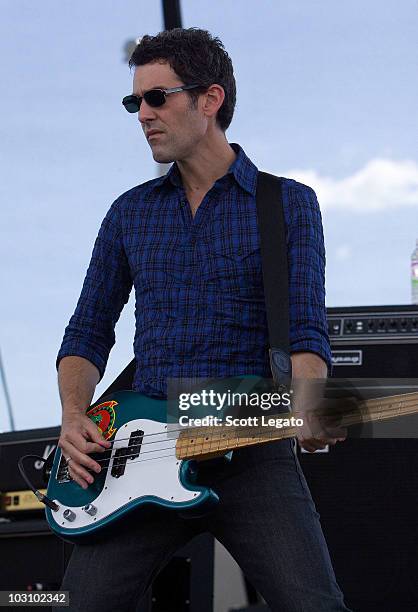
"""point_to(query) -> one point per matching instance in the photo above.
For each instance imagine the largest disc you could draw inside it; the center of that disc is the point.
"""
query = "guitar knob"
(69, 515)
(90, 509)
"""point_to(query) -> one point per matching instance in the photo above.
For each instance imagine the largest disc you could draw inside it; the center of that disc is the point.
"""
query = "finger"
(311, 444)
(324, 435)
(82, 472)
(93, 447)
(96, 435)
(82, 441)
(318, 440)
(332, 441)
(335, 432)
(309, 447)
(319, 444)
(79, 457)
(63, 445)
(74, 473)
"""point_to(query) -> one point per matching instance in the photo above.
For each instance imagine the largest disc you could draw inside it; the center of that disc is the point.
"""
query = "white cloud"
(380, 185)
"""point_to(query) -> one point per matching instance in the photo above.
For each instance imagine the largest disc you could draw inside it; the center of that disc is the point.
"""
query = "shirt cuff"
(320, 348)
(85, 352)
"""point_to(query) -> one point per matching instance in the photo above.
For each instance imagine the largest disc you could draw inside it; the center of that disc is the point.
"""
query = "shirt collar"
(243, 170)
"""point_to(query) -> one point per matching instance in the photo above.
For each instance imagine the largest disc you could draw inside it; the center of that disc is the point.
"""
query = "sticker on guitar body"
(104, 416)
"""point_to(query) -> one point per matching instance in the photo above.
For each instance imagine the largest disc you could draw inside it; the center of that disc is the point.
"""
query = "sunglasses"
(153, 97)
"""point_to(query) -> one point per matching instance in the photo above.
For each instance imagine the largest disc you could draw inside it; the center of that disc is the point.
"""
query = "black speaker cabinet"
(366, 489)
(186, 583)
(366, 492)
(33, 558)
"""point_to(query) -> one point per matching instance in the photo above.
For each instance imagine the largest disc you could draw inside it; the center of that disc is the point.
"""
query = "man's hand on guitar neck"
(77, 379)
(309, 376)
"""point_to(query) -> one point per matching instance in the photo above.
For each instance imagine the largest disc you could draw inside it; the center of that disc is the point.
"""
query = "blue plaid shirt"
(198, 282)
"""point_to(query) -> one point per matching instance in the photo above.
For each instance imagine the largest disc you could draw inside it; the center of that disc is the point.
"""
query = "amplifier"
(379, 343)
(15, 501)
(35, 559)
(374, 341)
(366, 489)
(366, 492)
(14, 495)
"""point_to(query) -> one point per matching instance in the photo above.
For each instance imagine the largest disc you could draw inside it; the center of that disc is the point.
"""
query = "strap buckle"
(281, 369)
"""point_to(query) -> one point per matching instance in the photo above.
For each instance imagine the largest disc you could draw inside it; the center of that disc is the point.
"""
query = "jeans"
(265, 518)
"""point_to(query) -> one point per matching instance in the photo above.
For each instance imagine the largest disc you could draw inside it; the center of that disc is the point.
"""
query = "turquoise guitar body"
(139, 469)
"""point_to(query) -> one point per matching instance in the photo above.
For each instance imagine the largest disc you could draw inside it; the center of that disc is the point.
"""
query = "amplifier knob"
(69, 515)
(90, 509)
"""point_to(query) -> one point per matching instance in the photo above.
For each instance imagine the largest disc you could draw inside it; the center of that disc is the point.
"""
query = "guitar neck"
(207, 442)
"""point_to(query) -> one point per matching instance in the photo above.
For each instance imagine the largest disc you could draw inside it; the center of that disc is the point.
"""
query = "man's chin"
(162, 158)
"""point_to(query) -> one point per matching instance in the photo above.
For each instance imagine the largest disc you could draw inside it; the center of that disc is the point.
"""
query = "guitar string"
(202, 437)
(199, 431)
(135, 454)
(202, 432)
(160, 456)
(224, 439)
(264, 436)
(153, 458)
(289, 414)
(174, 455)
(195, 432)
(120, 458)
(189, 428)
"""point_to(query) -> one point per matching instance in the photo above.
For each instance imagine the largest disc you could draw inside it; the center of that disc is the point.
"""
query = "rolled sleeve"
(306, 252)
(91, 330)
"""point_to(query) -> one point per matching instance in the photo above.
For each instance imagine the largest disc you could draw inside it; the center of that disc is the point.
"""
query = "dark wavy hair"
(197, 58)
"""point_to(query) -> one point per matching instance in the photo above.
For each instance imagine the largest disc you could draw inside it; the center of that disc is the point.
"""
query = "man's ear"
(213, 100)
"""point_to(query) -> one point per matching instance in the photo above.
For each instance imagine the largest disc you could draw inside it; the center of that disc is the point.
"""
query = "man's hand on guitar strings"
(79, 437)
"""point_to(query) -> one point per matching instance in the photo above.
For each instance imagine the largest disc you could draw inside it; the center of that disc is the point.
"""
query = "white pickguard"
(156, 472)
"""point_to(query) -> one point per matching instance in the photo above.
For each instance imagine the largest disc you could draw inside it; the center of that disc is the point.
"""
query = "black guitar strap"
(273, 245)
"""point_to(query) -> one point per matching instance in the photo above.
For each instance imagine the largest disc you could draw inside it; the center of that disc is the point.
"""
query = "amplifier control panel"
(373, 324)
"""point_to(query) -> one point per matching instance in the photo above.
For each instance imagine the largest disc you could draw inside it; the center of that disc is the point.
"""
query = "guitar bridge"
(62, 472)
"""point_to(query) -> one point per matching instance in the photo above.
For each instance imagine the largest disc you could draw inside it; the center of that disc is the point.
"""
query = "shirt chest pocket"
(233, 269)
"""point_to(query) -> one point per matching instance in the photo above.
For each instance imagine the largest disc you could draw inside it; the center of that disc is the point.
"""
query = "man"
(189, 244)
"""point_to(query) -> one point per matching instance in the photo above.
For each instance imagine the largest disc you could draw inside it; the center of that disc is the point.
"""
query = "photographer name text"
(229, 421)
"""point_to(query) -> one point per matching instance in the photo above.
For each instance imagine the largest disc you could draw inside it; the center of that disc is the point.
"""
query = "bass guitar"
(153, 462)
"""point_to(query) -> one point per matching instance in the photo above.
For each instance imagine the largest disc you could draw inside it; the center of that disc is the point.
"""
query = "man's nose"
(146, 112)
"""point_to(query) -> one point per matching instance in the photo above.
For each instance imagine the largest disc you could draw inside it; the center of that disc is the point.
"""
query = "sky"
(326, 95)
